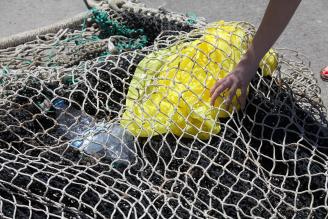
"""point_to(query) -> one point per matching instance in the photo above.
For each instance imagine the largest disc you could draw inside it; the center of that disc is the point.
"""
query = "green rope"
(192, 18)
(102, 56)
(111, 27)
(108, 27)
(5, 72)
(69, 79)
(25, 61)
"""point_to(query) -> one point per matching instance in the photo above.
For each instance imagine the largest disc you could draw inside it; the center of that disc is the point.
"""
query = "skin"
(275, 20)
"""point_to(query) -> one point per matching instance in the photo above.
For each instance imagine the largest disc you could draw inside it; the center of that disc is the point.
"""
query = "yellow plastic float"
(170, 90)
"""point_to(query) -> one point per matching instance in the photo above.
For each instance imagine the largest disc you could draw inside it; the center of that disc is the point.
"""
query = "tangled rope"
(106, 120)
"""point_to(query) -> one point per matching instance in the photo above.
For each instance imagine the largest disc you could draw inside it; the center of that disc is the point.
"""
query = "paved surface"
(22, 15)
(307, 32)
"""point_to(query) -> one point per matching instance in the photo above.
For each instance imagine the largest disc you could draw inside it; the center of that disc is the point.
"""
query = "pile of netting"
(112, 120)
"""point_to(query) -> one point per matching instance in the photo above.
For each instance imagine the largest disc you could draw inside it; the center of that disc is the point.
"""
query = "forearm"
(275, 20)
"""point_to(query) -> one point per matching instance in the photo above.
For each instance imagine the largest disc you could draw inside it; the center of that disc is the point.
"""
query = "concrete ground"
(307, 32)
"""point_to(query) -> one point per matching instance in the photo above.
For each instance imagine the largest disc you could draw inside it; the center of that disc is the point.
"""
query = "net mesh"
(65, 152)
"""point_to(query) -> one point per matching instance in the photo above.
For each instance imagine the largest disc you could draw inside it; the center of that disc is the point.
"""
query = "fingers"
(243, 96)
(232, 93)
(216, 85)
(224, 84)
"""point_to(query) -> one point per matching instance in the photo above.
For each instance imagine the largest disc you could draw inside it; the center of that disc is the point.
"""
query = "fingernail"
(212, 102)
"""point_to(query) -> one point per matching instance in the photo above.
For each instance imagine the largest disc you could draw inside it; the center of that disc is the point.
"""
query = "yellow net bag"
(170, 90)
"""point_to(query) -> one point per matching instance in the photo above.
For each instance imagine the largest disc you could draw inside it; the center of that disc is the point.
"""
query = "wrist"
(247, 66)
(252, 56)
(250, 61)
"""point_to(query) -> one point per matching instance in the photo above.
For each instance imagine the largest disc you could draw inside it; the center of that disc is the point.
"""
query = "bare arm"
(276, 18)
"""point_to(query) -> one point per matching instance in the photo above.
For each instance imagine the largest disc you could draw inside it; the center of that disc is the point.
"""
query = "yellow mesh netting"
(170, 90)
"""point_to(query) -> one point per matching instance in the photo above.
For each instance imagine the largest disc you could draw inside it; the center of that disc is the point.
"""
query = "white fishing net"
(122, 128)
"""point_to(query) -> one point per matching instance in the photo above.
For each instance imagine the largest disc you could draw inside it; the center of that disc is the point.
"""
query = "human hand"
(240, 77)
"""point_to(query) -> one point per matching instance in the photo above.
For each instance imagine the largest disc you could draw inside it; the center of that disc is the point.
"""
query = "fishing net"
(78, 141)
